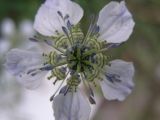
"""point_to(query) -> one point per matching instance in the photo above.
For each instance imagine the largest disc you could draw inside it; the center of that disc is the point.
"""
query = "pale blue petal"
(117, 81)
(48, 21)
(20, 62)
(31, 81)
(115, 22)
(72, 106)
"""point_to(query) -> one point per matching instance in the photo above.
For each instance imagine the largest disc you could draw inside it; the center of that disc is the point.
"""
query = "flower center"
(77, 58)
(81, 57)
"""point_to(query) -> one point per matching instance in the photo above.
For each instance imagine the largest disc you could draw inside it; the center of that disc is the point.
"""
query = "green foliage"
(18, 9)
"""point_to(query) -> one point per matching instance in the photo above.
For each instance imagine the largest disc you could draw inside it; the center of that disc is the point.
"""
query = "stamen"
(63, 69)
(91, 100)
(94, 51)
(89, 90)
(66, 17)
(68, 87)
(47, 68)
(113, 45)
(67, 34)
(65, 30)
(33, 72)
(60, 14)
(69, 25)
(49, 42)
(55, 81)
(30, 71)
(92, 28)
(50, 77)
(63, 17)
(33, 39)
(88, 33)
(67, 76)
(113, 77)
(63, 89)
(91, 95)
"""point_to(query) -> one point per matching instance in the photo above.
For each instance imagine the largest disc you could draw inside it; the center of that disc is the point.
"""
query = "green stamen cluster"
(76, 59)
(81, 56)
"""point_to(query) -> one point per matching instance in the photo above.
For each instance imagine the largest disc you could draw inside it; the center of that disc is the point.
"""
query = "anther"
(91, 100)
(69, 25)
(47, 68)
(63, 89)
(66, 17)
(33, 39)
(30, 71)
(113, 77)
(68, 87)
(67, 76)
(49, 42)
(113, 45)
(33, 74)
(63, 69)
(52, 97)
(65, 30)
(49, 77)
(60, 14)
(55, 81)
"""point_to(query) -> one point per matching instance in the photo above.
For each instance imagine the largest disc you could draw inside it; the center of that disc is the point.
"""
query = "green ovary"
(76, 59)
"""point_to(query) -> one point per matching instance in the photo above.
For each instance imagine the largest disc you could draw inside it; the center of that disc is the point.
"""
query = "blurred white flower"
(8, 27)
(4, 46)
(26, 28)
(73, 58)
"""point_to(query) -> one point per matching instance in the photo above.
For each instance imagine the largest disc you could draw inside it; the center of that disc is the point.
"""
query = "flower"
(75, 58)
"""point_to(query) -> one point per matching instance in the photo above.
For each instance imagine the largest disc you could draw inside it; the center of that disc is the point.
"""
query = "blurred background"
(143, 48)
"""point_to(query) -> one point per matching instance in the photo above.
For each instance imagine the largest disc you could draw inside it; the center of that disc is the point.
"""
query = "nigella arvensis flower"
(74, 57)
